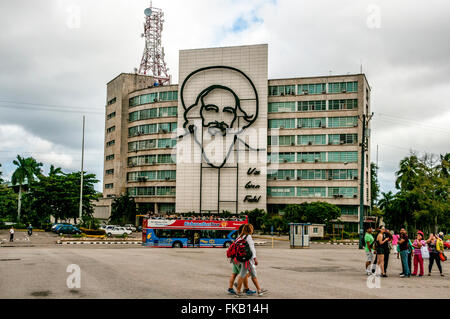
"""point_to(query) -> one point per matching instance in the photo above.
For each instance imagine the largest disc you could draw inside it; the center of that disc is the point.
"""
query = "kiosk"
(299, 235)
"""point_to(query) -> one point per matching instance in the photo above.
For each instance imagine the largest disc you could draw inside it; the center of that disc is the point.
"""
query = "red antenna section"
(153, 59)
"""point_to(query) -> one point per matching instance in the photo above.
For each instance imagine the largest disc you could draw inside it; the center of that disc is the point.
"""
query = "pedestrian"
(435, 246)
(235, 272)
(381, 247)
(30, 230)
(418, 258)
(403, 244)
(387, 250)
(368, 243)
(395, 238)
(11, 234)
(249, 267)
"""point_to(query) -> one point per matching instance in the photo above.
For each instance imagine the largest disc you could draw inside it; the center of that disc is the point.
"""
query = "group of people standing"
(378, 247)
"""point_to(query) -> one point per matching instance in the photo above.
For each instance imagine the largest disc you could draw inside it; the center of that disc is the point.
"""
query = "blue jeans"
(404, 256)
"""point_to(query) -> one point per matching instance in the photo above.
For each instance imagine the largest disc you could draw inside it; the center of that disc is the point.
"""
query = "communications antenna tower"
(153, 59)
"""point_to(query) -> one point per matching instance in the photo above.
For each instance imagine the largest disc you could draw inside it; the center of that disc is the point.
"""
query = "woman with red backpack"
(245, 254)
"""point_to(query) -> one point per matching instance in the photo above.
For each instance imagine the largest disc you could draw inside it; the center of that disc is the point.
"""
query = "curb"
(341, 244)
(100, 243)
(270, 238)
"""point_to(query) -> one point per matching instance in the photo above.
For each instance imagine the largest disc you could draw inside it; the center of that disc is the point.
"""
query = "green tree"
(27, 169)
(8, 202)
(256, 217)
(317, 213)
(59, 196)
(123, 210)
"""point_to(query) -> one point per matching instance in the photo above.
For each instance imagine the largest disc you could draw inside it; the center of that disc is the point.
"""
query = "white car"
(117, 231)
(130, 227)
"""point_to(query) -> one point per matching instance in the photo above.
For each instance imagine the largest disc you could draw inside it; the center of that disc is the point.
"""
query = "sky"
(56, 57)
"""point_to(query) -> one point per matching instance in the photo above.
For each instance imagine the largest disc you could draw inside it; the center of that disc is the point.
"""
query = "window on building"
(111, 129)
(112, 101)
(168, 111)
(111, 115)
(110, 157)
(319, 88)
(167, 127)
(141, 160)
(348, 121)
(280, 107)
(110, 172)
(282, 124)
(312, 139)
(343, 104)
(283, 174)
(281, 191)
(141, 191)
(281, 157)
(110, 143)
(167, 175)
(311, 174)
(311, 157)
(142, 130)
(168, 96)
(109, 186)
(167, 143)
(312, 122)
(282, 90)
(311, 192)
(342, 157)
(284, 140)
(166, 191)
(343, 87)
(312, 106)
(343, 174)
(141, 145)
(166, 159)
(349, 210)
(346, 192)
(341, 139)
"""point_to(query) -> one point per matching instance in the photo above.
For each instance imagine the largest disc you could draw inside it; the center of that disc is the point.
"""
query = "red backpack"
(240, 250)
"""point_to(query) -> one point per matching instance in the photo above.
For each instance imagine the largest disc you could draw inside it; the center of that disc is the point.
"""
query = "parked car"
(68, 229)
(130, 227)
(55, 227)
(117, 231)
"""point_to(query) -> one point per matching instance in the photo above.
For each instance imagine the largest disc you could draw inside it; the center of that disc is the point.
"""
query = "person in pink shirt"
(395, 238)
(418, 260)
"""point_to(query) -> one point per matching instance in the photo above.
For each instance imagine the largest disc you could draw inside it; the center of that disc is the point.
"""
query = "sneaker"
(262, 292)
(231, 291)
(429, 274)
(442, 275)
(420, 276)
(250, 292)
(240, 295)
(385, 276)
(402, 276)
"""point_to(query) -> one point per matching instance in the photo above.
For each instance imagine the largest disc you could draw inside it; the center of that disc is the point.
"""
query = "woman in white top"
(249, 268)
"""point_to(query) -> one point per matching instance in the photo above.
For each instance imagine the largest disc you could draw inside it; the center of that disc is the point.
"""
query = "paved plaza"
(324, 271)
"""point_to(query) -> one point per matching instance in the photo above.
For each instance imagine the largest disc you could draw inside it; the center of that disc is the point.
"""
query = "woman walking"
(249, 267)
(418, 258)
(435, 246)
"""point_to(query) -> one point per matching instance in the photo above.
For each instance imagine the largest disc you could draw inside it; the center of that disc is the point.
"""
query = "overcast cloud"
(54, 65)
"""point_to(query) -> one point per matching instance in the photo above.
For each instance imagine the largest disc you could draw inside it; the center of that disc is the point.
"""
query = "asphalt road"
(141, 273)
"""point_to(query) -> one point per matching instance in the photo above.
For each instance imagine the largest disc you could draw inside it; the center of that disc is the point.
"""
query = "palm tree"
(55, 171)
(27, 169)
(407, 175)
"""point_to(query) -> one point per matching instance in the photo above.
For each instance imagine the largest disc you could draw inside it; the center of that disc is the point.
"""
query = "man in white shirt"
(11, 234)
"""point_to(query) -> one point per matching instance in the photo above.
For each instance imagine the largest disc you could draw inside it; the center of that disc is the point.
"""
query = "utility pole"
(364, 148)
(82, 173)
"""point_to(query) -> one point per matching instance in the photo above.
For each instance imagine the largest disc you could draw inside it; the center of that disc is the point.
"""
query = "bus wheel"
(177, 245)
(227, 244)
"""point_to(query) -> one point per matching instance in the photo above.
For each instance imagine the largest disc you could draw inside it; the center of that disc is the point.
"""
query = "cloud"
(62, 53)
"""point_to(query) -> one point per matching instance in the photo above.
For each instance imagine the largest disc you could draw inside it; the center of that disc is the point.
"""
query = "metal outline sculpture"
(249, 119)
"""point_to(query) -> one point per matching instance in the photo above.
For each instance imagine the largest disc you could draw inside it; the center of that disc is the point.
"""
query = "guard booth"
(299, 235)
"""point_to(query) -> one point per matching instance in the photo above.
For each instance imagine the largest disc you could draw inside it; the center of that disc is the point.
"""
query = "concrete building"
(303, 135)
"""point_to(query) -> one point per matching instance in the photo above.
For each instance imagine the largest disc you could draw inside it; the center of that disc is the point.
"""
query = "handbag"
(424, 251)
(442, 257)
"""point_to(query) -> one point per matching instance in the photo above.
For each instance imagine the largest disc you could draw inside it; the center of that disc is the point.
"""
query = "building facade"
(228, 138)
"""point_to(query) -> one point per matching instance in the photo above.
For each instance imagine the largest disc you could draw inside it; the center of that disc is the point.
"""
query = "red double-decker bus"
(184, 233)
